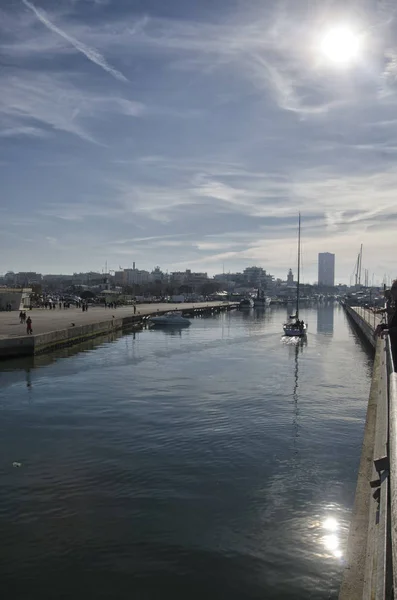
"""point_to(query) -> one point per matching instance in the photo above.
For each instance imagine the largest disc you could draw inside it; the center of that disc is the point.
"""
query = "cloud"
(22, 131)
(92, 54)
(52, 101)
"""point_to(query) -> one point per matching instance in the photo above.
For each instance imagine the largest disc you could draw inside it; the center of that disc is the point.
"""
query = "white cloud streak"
(90, 53)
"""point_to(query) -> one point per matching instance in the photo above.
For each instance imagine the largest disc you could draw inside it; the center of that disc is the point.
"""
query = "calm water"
(212, 462)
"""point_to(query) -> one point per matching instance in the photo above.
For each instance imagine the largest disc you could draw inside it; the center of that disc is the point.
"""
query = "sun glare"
(340, 45)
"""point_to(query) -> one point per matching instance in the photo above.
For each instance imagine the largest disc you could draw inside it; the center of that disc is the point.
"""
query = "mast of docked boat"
(299, 265)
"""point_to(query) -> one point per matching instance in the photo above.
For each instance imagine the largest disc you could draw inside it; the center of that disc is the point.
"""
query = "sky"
(190, 134)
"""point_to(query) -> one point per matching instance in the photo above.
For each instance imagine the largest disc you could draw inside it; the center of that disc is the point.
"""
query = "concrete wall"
(13, 298)
(17, 346)
(45, 342)
(365, 329)
(74, 335)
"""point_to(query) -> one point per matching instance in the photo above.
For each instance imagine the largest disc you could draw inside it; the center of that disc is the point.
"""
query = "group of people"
(110, 304)
(27, 321)
(52, 305)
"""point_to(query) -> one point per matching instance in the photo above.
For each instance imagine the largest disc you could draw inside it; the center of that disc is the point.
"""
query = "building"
(188, 278)
(326, 269)
(157, 275)
(25, 278)
(16, 299)
(119, 278)
(136, 276)
(254, 276)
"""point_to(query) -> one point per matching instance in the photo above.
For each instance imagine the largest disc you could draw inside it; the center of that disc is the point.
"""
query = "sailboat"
(295, 327)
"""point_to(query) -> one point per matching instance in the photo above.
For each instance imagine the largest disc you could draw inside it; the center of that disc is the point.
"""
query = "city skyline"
(192, 134)
(375, 280)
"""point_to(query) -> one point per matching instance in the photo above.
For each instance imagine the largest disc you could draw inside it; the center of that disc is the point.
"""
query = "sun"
(341, 45)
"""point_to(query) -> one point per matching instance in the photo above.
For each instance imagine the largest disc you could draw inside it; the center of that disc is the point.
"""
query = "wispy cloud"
(92, 54)
(22, 131)
(51, 101)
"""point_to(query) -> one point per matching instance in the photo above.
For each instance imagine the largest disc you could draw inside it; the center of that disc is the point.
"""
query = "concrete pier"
(64, 327)
(368, 557)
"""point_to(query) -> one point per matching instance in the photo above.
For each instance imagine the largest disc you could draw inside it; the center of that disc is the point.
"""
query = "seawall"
(96, 324)
(367, 573)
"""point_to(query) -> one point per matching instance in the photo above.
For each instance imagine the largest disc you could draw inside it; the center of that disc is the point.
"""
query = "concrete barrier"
(29, 345)
(363, 326)
(18, 346)
(72, 335)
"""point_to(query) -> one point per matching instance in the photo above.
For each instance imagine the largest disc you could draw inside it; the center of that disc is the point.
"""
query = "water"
(212, 462)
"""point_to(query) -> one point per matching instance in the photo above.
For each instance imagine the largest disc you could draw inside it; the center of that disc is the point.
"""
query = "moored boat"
(174, 317)
(246, 303)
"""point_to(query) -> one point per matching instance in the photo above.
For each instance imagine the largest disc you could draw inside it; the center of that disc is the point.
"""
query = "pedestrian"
(29, 326)
(83, 307)
(60, 305)
(21, 317)
(86, 307)
(24, 317)
(134, 308)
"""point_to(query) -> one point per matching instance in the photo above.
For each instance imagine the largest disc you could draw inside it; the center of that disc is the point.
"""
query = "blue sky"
(189, 134)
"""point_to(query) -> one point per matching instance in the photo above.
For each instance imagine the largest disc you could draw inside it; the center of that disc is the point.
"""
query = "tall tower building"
(326, 269)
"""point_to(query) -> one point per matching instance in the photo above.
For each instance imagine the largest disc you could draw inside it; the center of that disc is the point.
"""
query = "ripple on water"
(194, 464)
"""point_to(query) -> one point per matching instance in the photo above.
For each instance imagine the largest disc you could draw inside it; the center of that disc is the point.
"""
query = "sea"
(209, 462)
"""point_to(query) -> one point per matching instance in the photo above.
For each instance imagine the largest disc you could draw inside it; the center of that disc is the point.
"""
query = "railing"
(382, 528)
(369, 316)
(393, 460)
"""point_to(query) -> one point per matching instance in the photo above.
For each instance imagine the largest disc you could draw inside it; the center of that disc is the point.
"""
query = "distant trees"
(209, 288)
(87, 295)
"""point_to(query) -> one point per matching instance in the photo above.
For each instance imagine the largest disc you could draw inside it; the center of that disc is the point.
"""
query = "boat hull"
(246, 304)
(262, 302)
(164, 320)
(293, 331)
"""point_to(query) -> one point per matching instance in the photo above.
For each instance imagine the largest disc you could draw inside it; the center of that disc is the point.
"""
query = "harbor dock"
(64, 327)
(371, 556)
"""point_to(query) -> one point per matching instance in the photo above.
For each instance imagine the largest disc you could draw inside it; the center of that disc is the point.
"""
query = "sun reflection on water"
(331, 539)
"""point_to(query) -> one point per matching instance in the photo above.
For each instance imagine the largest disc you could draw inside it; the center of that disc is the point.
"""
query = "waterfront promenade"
(64, 327)
(45, 321)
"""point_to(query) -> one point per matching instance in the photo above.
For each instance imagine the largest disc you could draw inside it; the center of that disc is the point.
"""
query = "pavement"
(45, 320)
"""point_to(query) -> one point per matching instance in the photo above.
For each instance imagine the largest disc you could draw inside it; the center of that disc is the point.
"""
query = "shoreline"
(82, 326)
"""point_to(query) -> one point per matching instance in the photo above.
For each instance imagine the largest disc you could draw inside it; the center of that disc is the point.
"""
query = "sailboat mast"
(299, 266)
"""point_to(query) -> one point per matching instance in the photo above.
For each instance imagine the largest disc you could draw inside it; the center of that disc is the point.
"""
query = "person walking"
(29, 326)
(21, 317)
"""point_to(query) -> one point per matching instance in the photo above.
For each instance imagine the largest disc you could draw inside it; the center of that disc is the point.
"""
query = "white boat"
(174, 317)
(246, 303)
(296, 327)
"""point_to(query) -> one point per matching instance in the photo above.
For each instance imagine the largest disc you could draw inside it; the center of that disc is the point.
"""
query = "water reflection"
(325, 319)
(331, 539)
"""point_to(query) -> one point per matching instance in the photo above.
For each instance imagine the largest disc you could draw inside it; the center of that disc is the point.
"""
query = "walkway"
(45, 320)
